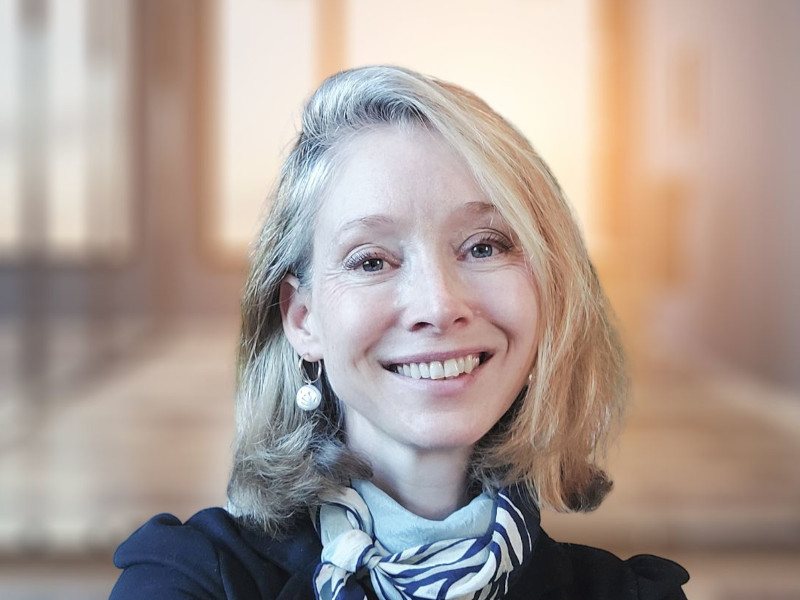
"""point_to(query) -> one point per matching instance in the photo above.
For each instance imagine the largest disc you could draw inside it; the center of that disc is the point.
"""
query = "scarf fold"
(454, 569)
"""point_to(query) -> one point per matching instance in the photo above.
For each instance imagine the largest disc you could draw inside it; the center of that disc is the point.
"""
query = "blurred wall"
(672, 125)
(715, 197)
(156, 81)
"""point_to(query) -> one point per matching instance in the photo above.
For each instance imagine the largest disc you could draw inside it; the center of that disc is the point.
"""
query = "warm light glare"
(265, 72)
(550, 101)
(531, 61)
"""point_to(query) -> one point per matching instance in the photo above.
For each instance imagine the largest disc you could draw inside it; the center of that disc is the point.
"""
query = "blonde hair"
(555, 435)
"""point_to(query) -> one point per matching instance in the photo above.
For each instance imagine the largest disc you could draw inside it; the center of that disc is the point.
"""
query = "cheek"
(351, 320)
(510, 301)
(524, 311)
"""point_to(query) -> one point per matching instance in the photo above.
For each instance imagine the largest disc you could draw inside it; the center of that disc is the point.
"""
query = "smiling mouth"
(440, 369)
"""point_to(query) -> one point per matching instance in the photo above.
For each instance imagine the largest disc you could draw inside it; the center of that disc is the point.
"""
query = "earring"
(309, 397)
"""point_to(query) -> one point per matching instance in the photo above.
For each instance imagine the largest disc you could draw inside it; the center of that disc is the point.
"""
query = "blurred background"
(139, 138)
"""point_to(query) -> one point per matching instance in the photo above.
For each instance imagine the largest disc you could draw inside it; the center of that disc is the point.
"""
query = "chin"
(439, 438)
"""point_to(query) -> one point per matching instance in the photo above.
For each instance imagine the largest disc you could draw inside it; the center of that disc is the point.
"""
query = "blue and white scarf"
(456, 569)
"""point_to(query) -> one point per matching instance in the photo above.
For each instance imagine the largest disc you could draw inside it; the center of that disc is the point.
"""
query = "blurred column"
(33, 283)
(611, 215)
(109, 197)
(270, 55)
(331, 37)
(169, 211)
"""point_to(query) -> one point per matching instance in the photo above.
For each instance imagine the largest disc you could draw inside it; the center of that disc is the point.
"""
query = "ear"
(298, 326)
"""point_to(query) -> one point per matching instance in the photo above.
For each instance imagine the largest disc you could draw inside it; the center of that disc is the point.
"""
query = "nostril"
(441, 317)
(438, 299)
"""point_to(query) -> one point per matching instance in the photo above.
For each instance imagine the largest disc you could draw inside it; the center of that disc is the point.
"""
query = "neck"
(430, 483)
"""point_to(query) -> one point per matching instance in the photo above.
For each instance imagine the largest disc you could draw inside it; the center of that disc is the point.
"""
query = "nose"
(436, 298)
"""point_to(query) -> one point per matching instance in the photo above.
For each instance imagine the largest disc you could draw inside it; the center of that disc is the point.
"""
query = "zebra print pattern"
(469, 568)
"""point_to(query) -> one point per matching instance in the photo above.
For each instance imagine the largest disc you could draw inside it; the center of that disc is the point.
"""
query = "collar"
(298, 552)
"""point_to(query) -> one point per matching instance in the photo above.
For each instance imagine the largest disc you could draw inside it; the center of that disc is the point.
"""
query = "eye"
(486, 245)
(481, 250)
(368, 260)
(372, 264)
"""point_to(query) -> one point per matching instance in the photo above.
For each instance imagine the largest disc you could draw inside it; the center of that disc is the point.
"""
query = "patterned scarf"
(456, 569)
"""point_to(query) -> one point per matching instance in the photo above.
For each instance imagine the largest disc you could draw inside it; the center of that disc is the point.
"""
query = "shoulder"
(212, 555)
(576, 571)
(644, 577)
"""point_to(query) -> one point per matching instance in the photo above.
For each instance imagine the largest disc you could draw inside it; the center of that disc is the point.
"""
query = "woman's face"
(421, 308)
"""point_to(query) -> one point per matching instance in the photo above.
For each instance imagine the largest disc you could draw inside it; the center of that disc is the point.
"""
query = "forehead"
(399, 171)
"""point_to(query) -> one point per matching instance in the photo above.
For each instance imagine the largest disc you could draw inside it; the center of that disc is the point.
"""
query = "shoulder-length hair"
(554, 436)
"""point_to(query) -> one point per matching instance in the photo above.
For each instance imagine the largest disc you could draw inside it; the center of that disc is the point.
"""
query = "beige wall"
(717, 188)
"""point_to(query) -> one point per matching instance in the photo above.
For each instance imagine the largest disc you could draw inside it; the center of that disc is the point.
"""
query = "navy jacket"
(214, 556)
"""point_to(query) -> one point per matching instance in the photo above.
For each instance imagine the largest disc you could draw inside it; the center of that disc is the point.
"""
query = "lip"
(446, 387)
(440, 356)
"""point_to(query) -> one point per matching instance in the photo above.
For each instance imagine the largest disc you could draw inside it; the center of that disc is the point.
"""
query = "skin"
(412, 263)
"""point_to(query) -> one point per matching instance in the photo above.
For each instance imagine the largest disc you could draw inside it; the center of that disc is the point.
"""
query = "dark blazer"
(214, 556)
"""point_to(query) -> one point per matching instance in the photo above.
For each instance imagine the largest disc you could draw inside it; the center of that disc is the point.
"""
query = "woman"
(426, 359)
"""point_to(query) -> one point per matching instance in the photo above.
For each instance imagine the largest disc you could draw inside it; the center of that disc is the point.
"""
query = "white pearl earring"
(309, 397)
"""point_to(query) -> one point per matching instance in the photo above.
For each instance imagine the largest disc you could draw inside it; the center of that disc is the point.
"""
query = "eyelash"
(495, 240)
(491, 239)
(359, 258)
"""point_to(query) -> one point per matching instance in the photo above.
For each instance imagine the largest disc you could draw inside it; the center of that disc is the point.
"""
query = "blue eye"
(486, 245)
(482, 250)
(372, 264)
(365, 261)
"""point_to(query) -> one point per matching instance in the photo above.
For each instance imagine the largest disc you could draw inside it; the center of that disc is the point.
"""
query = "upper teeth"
(452, 367)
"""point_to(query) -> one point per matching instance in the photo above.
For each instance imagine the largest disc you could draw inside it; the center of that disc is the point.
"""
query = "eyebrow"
(368, 221)
(481, 207)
